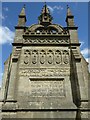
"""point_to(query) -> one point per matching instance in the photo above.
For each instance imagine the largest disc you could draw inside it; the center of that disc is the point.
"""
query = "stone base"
(40, 114)
(45, 114)
(12, 109)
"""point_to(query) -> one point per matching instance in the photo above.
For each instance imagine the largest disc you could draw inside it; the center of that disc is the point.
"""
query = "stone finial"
(23, 11)
(69, 13)
(45, 18)
(22, 17)
(45, 9)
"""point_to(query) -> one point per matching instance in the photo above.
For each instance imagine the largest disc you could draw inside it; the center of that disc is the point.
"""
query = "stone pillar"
(5, 78)
(10, 95)
(81, 81)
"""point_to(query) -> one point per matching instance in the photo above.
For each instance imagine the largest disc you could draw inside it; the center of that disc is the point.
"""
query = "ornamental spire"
(45, 18)
(23, 11)
(69, 18)
(45, 9)
(22, 17)
(69, 11)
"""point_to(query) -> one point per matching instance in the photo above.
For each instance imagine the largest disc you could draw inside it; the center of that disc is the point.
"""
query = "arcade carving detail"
(42, 56)
(34, 56)
(26, 58)
(48, 57)
(65, 57)
(58, 58)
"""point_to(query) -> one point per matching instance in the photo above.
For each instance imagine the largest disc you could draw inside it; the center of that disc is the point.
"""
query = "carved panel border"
(45, 41)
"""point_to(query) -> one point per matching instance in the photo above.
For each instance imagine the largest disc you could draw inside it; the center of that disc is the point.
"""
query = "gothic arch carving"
(58, 57)
(42, 56)
(49, 29)
(27, 55)
(34, 56)
(50, 56)
(58, 28)
(34, 27)
(65, 56)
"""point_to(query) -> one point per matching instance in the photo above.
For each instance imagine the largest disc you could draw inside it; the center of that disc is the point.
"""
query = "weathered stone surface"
(45, 76)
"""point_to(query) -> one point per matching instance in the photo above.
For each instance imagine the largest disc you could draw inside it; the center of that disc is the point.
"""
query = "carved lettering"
(50, 88)
(44, 72)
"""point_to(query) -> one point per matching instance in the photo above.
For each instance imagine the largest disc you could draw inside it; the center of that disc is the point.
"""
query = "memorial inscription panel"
(44, 72)
(47, 88)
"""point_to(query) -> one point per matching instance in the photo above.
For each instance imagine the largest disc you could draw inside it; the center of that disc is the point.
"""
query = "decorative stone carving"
(27, 52)
(50, 56)
(47, 56)
(45, 41)
(42, 56)
(58, 59)
(34, 56)
(27, 55)
(65, 57)
(26, 60)
(33, 29)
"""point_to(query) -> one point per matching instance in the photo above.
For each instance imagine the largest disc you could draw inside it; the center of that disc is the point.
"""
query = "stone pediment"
(50, 29)
(46, 33)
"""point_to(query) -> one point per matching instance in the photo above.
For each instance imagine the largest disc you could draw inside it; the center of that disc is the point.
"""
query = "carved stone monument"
(46, 75)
